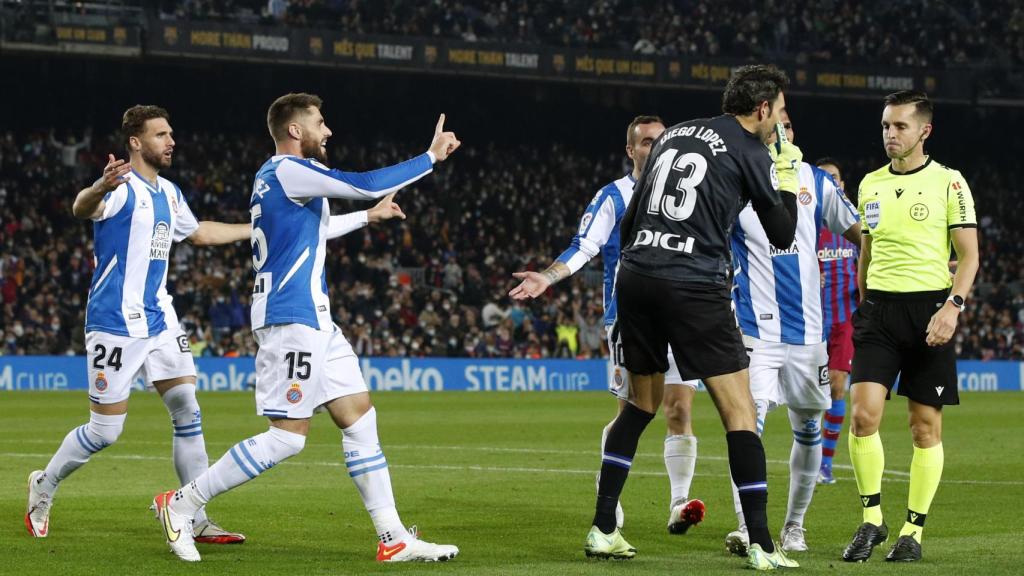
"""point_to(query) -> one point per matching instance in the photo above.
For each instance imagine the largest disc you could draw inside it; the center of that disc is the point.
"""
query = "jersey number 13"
(692, 167)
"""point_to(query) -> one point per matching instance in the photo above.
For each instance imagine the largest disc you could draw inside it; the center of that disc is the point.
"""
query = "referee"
(913, 208)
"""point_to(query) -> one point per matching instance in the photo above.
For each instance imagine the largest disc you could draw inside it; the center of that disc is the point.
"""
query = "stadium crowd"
(910, 33)
(433, 285)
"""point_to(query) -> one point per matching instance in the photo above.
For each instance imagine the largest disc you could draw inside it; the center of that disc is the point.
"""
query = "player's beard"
(156, 160)
(311, 149)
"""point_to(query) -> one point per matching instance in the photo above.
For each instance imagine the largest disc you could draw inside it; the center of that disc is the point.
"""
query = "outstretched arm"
(303, 178)
(212, 233)
(89, 203)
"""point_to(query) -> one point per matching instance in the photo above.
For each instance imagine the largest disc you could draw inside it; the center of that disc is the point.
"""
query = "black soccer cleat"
(906, 549)
(864, 541)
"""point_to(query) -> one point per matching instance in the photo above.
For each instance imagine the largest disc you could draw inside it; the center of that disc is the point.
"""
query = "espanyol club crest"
(101, 382)
(617, 379)
(805, 197)
(294, 394)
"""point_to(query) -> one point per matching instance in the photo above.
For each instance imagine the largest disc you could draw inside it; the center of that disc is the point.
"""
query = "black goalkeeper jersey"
(698, 177)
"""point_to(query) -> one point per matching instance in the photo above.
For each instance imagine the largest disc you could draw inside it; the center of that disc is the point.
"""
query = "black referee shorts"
(889, 331)
(697, 322)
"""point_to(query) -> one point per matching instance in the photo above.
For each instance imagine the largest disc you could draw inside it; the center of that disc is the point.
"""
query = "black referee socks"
(619, 450)
(746, 462)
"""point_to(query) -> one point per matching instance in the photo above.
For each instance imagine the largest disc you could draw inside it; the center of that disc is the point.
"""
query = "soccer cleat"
(601, 545)
(177, 528)
(209, 532)
(864, 541)
(416, 550)
(825, 475)
(906, 549)
(738, 541)
(792, 539)
(37, 515)
(684, 515)
(758, 559)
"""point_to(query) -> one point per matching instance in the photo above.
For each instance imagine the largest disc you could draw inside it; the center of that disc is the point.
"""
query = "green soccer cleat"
(614, 546)
(758, 559)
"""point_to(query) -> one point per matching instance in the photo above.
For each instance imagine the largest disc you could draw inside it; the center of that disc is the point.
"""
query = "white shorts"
(115, 361)
(618, 382)
(299, 368)
(789, 374)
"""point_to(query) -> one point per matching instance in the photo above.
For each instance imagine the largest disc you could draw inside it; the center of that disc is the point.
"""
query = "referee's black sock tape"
(749, 472)
(619, 450)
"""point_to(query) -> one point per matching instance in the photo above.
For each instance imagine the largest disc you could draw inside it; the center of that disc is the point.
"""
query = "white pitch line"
(498, 469)
(491, 449)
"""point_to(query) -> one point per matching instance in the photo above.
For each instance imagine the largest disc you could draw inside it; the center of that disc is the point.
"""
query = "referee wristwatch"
(957, 301)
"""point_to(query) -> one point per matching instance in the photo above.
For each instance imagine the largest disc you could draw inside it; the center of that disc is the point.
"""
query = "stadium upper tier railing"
(115, 29)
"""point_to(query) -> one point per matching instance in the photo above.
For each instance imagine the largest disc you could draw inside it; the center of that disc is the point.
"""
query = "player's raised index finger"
(110, 159)
(440, 124)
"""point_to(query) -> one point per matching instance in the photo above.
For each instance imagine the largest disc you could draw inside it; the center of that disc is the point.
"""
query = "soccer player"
(914, 208)
(131, 328)
(778, 304)
(599, 232)
(837, 257)
(304, 361)
(673, 288)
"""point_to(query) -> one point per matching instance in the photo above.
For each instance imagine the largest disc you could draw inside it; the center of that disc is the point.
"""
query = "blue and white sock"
(368, 469)
(804, 462)
(243, 462)
(188, 444)
(79, 445)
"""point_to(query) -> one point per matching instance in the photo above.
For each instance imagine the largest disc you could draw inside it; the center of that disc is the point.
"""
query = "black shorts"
(697, 322)
(889, 331)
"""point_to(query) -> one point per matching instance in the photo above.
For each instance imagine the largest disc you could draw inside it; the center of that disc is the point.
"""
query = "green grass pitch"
(507, 477)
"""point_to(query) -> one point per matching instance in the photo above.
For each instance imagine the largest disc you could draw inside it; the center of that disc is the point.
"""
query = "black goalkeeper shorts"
(696, 321)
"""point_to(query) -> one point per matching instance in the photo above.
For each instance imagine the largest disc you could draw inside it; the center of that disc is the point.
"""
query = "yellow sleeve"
(959, 203)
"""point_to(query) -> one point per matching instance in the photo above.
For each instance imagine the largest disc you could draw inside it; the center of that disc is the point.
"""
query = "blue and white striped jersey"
(132, 238)
(778, 292)
(291, 223)
(599, 232)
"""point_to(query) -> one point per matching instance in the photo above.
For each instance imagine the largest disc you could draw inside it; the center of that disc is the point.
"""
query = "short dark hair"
(751, 85)
(828, 160)
(922, 105)
(284, 109)
(638, 121)
(133, 123)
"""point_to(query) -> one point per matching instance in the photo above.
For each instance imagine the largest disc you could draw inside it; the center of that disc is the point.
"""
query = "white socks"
(680, 459)
(243, 462)
(80, 444)
(369, 471)
(188, 445)
(804, 462)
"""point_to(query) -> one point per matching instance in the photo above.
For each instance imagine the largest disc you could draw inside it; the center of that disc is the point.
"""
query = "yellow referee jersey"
(909, 217)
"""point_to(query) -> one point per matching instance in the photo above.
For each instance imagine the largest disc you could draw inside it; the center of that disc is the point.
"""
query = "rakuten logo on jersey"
(830, 254)
(672, 242)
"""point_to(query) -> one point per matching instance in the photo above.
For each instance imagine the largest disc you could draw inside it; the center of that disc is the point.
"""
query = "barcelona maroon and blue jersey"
(837, 258)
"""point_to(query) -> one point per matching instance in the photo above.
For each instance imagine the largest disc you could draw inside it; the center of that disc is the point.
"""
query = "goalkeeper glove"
(787, 159)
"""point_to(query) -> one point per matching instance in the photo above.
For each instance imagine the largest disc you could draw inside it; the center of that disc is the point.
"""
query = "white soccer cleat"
(37, 514)
(177, 528)
(792, 539)
(684, 514)
(738, 541)
(209, 532)
(416, 550)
